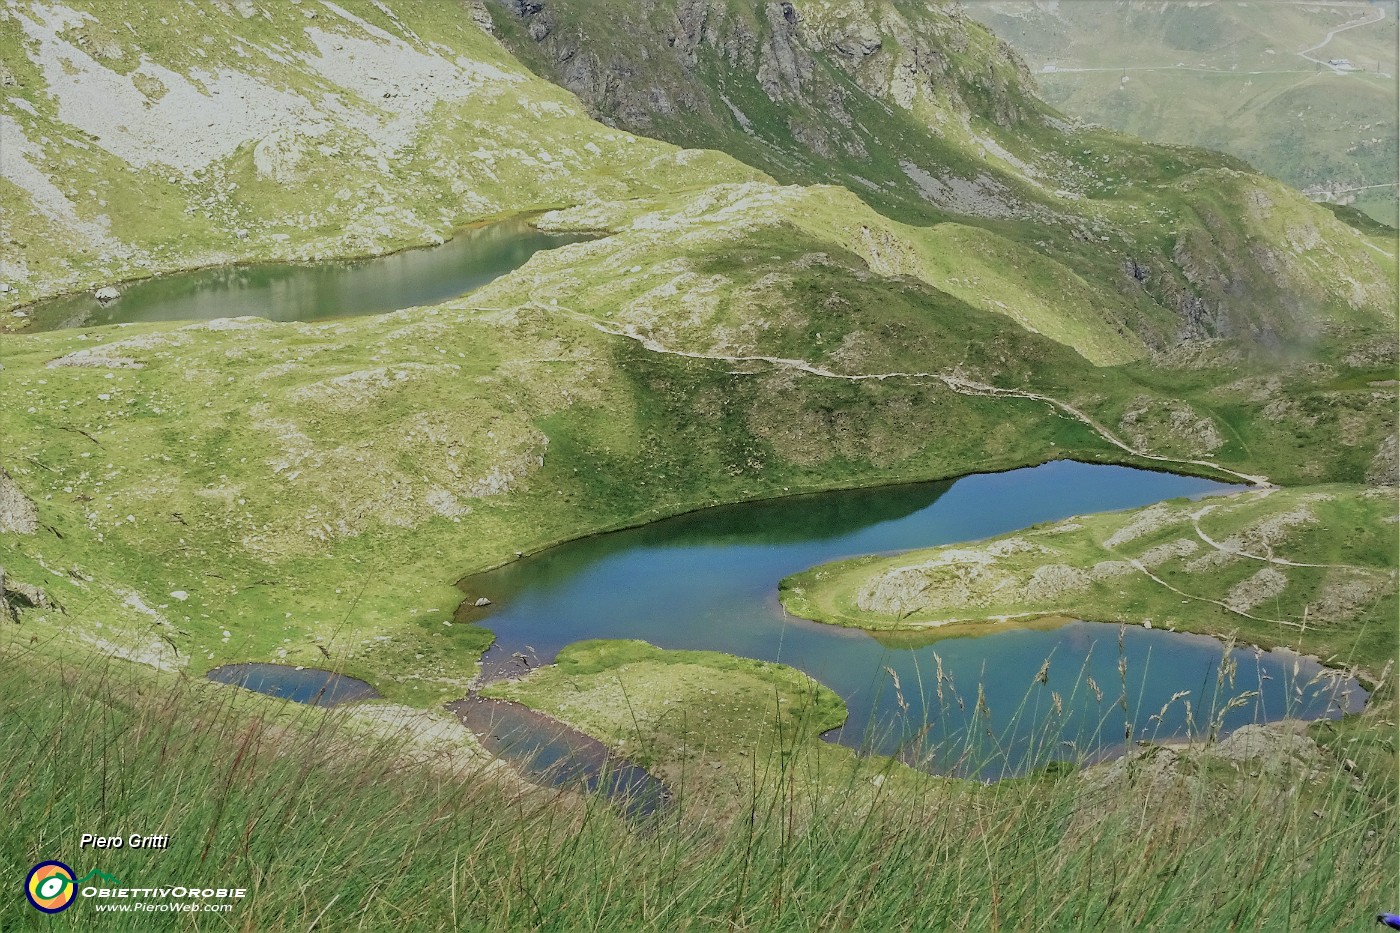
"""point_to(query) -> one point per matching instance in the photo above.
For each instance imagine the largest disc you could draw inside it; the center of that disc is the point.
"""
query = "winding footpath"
(1206, 599)
(1282, 562)
(1378, 16)
(953, 381)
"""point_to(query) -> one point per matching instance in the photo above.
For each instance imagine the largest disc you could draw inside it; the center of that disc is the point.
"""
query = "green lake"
(312, 291)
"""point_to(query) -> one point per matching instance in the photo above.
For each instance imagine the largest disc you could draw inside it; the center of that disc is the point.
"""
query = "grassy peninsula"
(1311, 568)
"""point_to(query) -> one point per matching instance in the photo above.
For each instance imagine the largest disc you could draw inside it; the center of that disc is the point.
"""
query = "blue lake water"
(709, 580)
(309, 685)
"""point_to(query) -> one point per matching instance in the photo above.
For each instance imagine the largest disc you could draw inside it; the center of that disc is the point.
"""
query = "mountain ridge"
(975, 145)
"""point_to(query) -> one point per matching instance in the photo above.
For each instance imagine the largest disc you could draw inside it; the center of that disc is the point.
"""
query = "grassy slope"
(1343, 612)
(322, 826)
(294, 508)
(364, 173)
(297, 510)
(1242, 90)
(693, 717)
(340, 474)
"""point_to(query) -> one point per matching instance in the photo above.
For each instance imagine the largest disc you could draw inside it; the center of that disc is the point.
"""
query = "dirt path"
(953, 381)
(1205, 599)
(1282, 562)
(1377, 16)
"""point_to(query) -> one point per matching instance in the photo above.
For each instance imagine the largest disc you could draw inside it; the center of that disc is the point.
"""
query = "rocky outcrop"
(1276, 748)
(785, 63)
(1169, 425)
(813, 61)
(1384, 468)
(277, 156)
(25, 595)
(807, 91)
(17, 513)
(15, 595)
(1264, 585)
(858, 41)
(95, 359)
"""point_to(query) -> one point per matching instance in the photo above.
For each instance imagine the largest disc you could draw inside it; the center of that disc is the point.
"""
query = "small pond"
(313, 291)
(709, 580)
(550, 752)
(309, 685)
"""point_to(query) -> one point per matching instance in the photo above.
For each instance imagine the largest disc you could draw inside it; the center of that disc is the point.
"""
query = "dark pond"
(301, 685)
(549, 751)
(308, 292)
(709, 580)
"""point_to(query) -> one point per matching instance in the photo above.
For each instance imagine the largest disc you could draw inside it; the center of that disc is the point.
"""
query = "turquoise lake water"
(709, 580)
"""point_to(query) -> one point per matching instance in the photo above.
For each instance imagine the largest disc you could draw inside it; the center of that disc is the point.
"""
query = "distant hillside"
(1252, 79)
(930, 119)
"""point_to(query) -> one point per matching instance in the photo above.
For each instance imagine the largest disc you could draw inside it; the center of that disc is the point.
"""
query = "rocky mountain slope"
(149, 137)
(929, 118)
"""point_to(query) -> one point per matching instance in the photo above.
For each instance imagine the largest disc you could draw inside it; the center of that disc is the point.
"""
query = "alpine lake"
(709, 580)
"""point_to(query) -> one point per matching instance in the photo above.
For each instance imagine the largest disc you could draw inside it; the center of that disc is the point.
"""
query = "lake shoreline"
(22, 327)
(1150, 466)
(709, 585)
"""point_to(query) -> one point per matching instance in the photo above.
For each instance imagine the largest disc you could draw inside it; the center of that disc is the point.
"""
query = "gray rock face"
(107, 294)
(1384, 469)
(480, 16)
(860, 41)
(792, 54)
(15, 595)
(17, 513)
(785, 64)
(26, 595)
(1275, 748)
(7, 614)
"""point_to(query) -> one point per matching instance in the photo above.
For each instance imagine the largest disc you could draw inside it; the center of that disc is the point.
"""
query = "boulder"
(7, 614)
(26, 596)
(482, 602)
(17, 513)
(859, 41)
(107, 294)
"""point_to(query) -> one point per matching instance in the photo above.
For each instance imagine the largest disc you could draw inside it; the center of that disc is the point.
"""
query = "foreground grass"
(327, 830)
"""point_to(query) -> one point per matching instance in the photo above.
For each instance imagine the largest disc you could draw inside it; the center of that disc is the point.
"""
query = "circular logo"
(50, 887)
